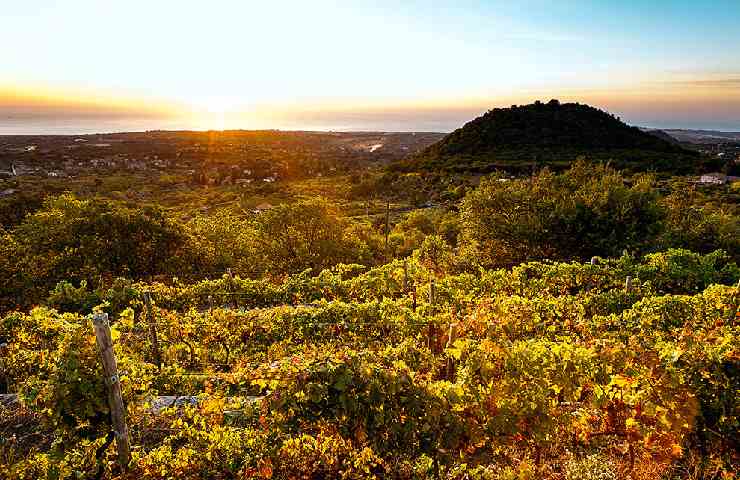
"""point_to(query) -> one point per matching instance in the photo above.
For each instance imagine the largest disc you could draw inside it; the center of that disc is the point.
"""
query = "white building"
(713, 179)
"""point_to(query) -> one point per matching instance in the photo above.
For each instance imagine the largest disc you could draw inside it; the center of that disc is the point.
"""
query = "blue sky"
(253, 64)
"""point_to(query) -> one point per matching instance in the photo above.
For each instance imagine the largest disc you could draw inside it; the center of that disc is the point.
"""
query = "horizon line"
(313, 130)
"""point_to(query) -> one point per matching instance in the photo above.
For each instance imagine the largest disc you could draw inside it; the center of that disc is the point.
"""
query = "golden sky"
(362, 65)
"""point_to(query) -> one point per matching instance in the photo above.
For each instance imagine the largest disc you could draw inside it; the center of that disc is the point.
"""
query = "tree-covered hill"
(553, 134)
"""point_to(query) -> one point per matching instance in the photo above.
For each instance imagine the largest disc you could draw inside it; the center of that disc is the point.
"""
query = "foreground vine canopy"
(547, 369)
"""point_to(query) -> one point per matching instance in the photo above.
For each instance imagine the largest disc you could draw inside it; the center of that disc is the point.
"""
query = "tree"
(435, 254)
(307, 234)
(74, 240)
(588, 210)
(224, 241)
(695, 223)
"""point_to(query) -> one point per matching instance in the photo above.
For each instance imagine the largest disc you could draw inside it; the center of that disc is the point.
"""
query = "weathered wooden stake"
(451, 337)
(628, 283)
(153, 330)
(387, 224)
(736, 314)
(405, 276)
(232, 289)
(112, 382)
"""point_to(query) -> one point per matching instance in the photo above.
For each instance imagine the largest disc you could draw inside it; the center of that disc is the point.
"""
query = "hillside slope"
(553, 134)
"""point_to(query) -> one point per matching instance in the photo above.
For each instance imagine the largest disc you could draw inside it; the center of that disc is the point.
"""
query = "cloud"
(24, 104)
(721, 82)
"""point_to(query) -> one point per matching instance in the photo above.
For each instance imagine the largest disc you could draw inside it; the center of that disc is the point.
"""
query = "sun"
(213, 104)
(212, 111)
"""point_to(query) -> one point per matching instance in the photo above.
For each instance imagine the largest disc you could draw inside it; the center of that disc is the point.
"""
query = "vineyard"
(616, 368)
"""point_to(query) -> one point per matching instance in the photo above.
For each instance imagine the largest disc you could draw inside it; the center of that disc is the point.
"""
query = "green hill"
(554, 134)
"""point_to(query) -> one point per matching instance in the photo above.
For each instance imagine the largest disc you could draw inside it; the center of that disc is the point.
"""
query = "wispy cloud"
(719, 82)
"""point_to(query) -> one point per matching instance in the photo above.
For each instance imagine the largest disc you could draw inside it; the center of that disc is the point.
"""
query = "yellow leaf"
(631, 423)
(676, 450)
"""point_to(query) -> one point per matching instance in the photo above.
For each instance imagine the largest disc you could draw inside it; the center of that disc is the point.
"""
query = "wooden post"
(210, 303)
(113, 383)
(387, 224)
(451, 337)
(4, 378)
(405, 276)
(153, 330)
(431, 292)
(231, 288)
(628, 283)
(736, 308)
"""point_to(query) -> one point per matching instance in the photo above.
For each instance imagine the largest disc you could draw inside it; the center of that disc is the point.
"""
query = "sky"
(77, 66)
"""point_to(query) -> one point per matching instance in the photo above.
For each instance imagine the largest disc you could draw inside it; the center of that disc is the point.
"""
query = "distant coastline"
(89, 126)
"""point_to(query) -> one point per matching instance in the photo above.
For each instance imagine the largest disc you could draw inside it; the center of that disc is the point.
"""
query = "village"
(239, 158)
(208, 157)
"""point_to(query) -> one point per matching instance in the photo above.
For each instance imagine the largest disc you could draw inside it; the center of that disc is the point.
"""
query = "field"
(548, 369)
(364, 323)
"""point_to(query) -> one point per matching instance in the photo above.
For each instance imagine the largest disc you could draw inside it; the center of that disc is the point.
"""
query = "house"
(713, 179)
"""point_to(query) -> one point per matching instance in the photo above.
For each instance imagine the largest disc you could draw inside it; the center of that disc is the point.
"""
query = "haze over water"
(83, 126)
